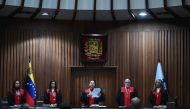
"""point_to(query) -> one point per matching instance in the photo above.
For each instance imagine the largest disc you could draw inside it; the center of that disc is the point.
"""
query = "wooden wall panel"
(133, 50)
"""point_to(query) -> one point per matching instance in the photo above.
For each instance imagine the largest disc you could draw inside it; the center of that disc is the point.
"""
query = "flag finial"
(159, 59)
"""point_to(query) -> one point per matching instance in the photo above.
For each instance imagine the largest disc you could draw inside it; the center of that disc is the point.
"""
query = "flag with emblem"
(160, 75)
(30, 87)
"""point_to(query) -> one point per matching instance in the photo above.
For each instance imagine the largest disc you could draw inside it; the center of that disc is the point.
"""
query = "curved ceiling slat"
(37, 11)
(2, 4)
(75, 11)
(95, 10)
(17, 10)
(112, 12)
(149, 11)
(56, 11)
(169, 10)
(130, 11)
(185, 6)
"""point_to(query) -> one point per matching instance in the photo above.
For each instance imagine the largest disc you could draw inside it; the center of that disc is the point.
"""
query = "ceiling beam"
(185, 6)
(149, 11)
(17, 10)
(94, 12)
(37, 11)
(130, 11)
(56, 11)
(170, 11)
(75, 11)
(112, 12)
(2, 4)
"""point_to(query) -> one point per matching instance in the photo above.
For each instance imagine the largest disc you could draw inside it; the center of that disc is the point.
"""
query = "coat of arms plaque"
(93, 47)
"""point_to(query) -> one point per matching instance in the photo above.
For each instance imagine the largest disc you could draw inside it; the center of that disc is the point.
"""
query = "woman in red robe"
(52, 95)
(16, 96)
(158, 95)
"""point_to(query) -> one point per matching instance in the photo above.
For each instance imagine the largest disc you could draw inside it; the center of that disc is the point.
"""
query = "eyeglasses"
(17, 83)
(127, 82)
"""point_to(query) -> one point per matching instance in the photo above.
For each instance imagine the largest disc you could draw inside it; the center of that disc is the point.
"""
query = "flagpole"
(158, 46)
(169, 97)
(30, 87)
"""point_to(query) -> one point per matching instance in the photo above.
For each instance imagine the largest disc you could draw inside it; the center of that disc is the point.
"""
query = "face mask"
(127, 85)
(16, 88)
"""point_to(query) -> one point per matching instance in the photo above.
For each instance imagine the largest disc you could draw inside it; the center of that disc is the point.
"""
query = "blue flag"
(160, 75)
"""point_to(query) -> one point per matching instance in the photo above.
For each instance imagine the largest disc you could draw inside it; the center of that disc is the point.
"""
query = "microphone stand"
(34, 102)
(87, 101)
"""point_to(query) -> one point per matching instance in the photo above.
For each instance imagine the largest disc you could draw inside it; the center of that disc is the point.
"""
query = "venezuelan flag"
(30, 87)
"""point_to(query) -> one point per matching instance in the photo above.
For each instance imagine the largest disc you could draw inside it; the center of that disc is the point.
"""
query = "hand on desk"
(16, 105)
(53, 105)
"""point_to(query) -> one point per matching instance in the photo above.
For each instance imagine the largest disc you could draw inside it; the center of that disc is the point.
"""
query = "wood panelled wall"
(132, 53)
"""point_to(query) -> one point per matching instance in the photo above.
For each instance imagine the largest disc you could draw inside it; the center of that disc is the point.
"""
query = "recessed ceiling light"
(45, 14)
(142, 14)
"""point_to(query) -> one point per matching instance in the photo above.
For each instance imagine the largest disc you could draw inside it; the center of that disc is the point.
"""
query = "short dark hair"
(92, 80)
(24, 106)
(135, 103)
(64, 105)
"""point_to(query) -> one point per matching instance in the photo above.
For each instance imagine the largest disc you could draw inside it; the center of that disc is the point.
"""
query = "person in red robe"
(125, 94)
(158, 95)
(52, 95)
(86, 96)
(16, 96)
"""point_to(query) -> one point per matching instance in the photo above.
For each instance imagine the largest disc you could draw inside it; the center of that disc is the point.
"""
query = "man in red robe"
(125, 94)
(16, 96)
(158, 95)
(87, 98)
(52, 95)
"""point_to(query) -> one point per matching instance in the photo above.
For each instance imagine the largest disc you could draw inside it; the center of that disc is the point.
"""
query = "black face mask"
(91, 89)
(16, 88)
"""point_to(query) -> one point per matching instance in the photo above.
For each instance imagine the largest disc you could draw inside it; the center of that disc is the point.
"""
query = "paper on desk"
(95, 92)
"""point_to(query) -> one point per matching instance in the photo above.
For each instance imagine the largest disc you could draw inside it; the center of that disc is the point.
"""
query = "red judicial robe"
(89, 100)
(124, 96)
(158, 98)
(52, 97)
(16, 98)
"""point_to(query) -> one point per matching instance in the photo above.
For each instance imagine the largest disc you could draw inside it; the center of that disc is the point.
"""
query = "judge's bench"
(40, 105)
